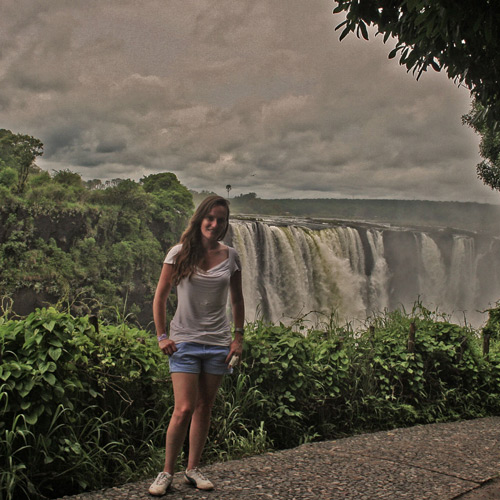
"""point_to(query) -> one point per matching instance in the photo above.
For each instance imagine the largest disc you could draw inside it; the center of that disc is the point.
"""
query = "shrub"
(78, 406)
(334, 382)
(84, 409)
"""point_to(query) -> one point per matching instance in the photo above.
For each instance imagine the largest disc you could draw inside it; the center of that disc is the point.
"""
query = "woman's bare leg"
(186, 391)
(208, 385)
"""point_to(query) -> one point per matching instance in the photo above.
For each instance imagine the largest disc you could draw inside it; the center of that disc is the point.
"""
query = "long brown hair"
(192, 249)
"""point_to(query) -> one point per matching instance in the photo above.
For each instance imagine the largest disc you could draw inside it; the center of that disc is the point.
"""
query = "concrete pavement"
(445, 461)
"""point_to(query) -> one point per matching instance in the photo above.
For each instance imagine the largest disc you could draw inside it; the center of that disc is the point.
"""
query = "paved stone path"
(459, 460)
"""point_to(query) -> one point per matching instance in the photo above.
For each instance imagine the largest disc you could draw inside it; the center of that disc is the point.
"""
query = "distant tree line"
(94, 246)
(454, 215)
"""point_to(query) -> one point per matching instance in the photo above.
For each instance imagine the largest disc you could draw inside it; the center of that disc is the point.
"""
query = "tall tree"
(459, 36)
(19, 152)
(166, 185)
(489, 169)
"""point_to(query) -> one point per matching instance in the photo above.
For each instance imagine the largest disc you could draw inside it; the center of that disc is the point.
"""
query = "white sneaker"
(197, 479)
(161, 484)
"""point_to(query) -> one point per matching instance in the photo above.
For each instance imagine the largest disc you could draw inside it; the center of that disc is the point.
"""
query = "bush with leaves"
(78, 406)
(83, 409)
(280, 365)
(321, 384)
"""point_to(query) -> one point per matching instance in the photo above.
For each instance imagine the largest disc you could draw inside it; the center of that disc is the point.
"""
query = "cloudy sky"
(260, 95)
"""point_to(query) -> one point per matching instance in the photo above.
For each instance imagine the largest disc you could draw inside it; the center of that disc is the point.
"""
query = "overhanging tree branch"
(460, 37)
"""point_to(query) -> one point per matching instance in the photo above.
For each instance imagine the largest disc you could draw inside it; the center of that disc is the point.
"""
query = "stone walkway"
(459, 460)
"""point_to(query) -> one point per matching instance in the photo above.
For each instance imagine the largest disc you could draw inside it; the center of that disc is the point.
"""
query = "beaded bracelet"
(239, 330)
(163, 336)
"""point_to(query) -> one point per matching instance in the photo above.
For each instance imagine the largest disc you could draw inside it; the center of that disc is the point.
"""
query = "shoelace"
(162, 478)
(196, 472)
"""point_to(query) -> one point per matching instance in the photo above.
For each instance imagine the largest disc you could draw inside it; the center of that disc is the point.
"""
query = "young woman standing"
(200, 345)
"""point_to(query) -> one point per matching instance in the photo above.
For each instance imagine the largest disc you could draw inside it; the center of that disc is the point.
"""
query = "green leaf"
(27, 388)
(55, 353)
(49, 325)
(31, 419)
(393, 53)
(50, 378)
(25, 404)
(364, 30)
(40, 409)
(15, 366)
(43, 367)
(345, 33)
(59, 391)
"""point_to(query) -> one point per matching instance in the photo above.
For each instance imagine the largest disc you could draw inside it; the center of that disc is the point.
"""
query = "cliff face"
(66, 228)
(22, 232)
(96, 261)
(458, 215)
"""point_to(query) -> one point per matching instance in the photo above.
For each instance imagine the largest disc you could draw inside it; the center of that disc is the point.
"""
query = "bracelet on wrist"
(239, 330)
(163, 336)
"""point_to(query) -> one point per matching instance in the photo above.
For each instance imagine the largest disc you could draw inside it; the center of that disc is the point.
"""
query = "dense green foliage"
(489, 169)
(492, 326)
(323, 383)
(83, 409)
(17, 158)
(460, 36)
(95, 246)
(77, 406)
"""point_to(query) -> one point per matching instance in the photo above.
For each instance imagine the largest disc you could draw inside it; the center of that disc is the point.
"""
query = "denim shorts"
(192, 357)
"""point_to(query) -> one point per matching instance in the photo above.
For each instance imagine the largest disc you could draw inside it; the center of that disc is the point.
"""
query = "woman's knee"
(204, 407)
(183, 413)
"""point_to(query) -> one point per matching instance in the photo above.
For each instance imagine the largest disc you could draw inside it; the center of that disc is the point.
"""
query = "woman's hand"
(235, 349)
(167, 346)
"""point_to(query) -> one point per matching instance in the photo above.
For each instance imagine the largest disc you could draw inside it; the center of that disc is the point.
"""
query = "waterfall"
(462, 271)
(292, 271)
(432, 278)
(378, 294)
(354, 271)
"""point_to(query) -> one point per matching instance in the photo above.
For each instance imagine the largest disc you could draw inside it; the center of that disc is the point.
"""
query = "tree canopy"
(94, 245)
(460, 36)
(489, 169)
(18, 153)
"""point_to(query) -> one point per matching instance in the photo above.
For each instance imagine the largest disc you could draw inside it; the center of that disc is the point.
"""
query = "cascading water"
(354, 271)
(291, 271)
(462, 270)
(432, 277)
(378, 296)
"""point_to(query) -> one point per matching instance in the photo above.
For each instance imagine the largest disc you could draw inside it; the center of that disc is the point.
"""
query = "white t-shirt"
(201, 314)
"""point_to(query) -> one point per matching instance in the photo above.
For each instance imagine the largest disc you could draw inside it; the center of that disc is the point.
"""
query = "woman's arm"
(238, 308)
(160, 307)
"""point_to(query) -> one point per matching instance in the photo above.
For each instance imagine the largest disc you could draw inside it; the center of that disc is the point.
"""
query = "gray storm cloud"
(260, 95)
